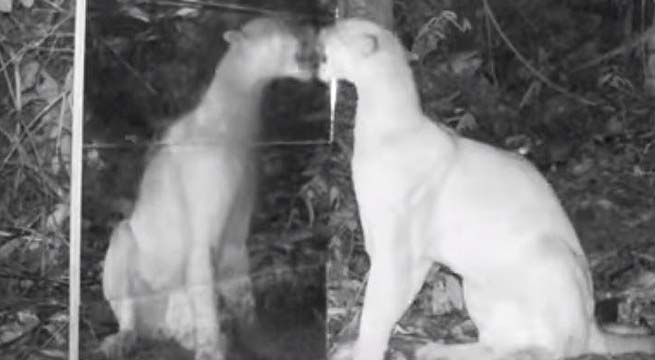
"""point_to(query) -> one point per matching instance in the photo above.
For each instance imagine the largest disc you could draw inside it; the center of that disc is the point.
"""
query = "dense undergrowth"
(36, 58)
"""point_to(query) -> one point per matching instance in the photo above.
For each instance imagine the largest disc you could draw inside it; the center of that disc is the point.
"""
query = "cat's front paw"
(119, 345)
(343, 351)
(209, 353)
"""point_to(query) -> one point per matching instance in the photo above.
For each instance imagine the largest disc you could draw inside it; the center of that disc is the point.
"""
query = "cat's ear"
(367, 44)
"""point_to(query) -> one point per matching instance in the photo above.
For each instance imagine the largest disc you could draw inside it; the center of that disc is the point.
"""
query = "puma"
(426, 194)
(187, 233)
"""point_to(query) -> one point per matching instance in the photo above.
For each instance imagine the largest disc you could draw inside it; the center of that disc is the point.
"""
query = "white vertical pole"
(76, 182)
(333, 93)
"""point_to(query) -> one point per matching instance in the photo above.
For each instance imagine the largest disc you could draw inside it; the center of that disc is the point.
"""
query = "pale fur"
(187, 233)
(426, 194)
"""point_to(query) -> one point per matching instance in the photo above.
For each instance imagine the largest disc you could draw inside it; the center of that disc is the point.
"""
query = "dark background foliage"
(36, 59)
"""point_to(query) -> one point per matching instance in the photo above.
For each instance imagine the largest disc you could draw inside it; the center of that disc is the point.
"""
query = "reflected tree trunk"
(649, 71)
(379, 11)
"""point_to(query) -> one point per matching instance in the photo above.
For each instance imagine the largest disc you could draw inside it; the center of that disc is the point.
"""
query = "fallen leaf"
(559, 151)
(54, 353)
(396, 355)
(7, 249)
(464, 332)
(62, 160)
(47, 88)
(465, 62)
(335, 196)
(26, 284)
(68, 83)
(605, 204)
(582, 167)
(24, 322)
(519, 142)
(57, 217)
(187, 12)
(447, 295)
(5, 6)
(533, 92)
(614, 126)
(454, 291)
(136, 13)
(28, 74)
(334, 311)
(466, 122)
(645, 280)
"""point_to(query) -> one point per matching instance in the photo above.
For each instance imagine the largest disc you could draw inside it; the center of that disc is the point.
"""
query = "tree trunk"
(649, 69)
(379, 11)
